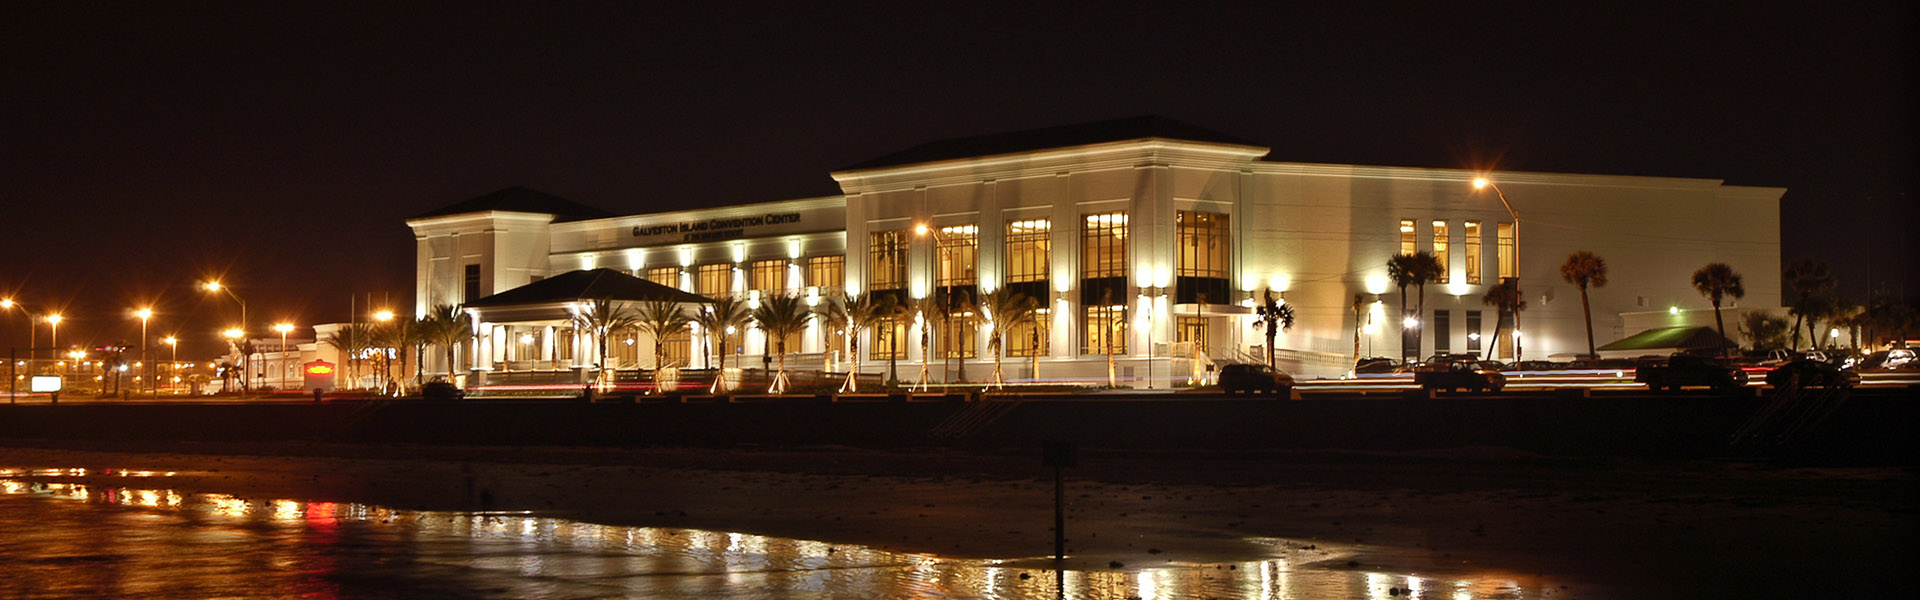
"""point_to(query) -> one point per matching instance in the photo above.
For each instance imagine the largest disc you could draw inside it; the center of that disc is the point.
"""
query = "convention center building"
(1155, 244)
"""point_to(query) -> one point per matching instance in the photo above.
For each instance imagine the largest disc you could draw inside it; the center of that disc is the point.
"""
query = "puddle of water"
(72, 539)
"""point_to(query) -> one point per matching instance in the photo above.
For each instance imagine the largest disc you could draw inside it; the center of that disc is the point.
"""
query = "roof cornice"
(1090, 157)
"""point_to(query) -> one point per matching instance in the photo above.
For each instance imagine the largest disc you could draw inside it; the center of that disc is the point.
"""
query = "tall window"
(1473, 252)
(1408, 245)
(1473, 331)
(1105, 328)
(714, 280)
(1029, 338)
(958, 256)
(1504, 247)
(471, 285)
(678, 348)
(888, 250)
(1443, 332)
(890, 339)
(958, 339)
(1103, 259)
(1203, 257)
(1194, 330)
(767, 276)
(1440, 252)
(1029, 251)
(827, 271)
(667, 276)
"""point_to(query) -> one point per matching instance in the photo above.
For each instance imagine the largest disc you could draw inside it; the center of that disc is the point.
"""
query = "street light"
(1483, 183)
(145, 314)
(214, 286)
(173, 368)
(283, 328)
(53, 321)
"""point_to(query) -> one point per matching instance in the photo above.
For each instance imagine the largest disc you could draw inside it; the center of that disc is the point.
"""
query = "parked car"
(1539, 365)
(1254, 378)
(1680, 370)
(441, 390)
(1807, 372)
(1459, 371)
(1890, 359)
(1376, 364)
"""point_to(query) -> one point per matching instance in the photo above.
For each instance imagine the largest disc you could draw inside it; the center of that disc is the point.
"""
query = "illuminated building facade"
(1149, 240)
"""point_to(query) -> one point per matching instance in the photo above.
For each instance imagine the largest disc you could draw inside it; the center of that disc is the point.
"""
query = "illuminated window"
(1504, 247)
(678, 348)
(1029, 250)
(1103, 259)
(1408, 245)
(714, 280)
(888, 250)
(1029, 338)
(1105, 327)
(1203, 256)
(471, 288)
(1473, 252)
(827, 271)
(1440, 252)
(958, 339)
(767, 276)
(1194, 330)
(958, 256)
(667, 276)
(889, 339)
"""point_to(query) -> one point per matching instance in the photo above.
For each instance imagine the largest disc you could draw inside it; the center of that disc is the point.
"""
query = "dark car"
(1539, 365)
(1807, 372)
(1459, 371)
(1254, 379)
(1376, 365)
(441, 390)
(1680, 370)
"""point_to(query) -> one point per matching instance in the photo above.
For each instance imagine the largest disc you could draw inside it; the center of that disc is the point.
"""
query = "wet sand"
(1575, 528)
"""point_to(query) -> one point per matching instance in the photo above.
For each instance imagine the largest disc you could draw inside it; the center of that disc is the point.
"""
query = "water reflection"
(87, 539)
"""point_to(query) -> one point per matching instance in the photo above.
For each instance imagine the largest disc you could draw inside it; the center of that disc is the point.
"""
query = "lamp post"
(173, 367)
(1483, 183)
(13, 378)
(945, 259)
(53, 322)
(283, 328)
(147, 363)
(215, 286)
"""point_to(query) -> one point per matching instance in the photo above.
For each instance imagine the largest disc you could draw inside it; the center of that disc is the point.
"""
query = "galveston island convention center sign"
(725, 228)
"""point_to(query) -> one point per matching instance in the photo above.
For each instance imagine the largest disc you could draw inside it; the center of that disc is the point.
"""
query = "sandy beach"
(1586, 528)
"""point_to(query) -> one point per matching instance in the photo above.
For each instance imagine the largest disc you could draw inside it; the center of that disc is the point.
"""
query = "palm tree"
(922, 309)
(448, 327)
(662, 319)
(1809, 277)
(718, 319)
(1359, 303)
(1401, 269)
(394, 339)
(1582, 269)
(781, 316)
(1274, 316)
(1716, 281)
(1812, 307)
(353, 340)
(601, 317)
(1507, 301)
(858, 315)
(1002, 310)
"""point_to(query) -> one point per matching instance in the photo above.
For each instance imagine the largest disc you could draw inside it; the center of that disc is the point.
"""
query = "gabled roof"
(586, 285)
(1063, 136)
(519, 199)
(1671, 337)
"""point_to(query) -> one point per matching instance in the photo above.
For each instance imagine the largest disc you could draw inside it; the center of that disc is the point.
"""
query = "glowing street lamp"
(283, 328)
(53, 321)
(1483, 183)
(173, 367)
(215, 286)
(145, 313)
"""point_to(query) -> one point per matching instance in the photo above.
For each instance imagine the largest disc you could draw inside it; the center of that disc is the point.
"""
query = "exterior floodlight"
(1410, 323)
(1479, 183)
(920, 229)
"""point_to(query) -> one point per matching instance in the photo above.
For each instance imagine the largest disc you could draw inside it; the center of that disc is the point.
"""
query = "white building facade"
(1150, 241)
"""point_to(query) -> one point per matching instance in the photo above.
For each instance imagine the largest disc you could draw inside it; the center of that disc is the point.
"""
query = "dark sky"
(147, 147)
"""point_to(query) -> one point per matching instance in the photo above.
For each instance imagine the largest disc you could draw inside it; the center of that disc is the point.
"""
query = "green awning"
(1683, 338)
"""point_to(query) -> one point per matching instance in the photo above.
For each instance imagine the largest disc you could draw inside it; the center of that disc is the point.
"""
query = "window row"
(776, 275)
(1441, 240)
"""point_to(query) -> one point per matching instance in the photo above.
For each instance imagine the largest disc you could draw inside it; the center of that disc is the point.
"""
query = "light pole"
(283, 328)
(234, 335)
(13, 378)
(145, 314)
(173, 368)
(53, 322)
(1483, 183)
(945, 259)
(215, 286)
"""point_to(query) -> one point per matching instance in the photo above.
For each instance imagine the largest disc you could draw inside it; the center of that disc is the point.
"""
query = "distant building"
(1147, 237)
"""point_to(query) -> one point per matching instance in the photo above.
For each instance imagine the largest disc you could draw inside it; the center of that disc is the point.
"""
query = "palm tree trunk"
(1721, 325)
(1588, 311)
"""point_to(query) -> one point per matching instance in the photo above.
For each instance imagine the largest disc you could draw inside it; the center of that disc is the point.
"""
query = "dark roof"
(519, 199)
(1671, 337)
(587, 285)
(1053, 137)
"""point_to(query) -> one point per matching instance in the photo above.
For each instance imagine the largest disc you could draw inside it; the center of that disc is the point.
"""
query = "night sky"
(145, 148)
